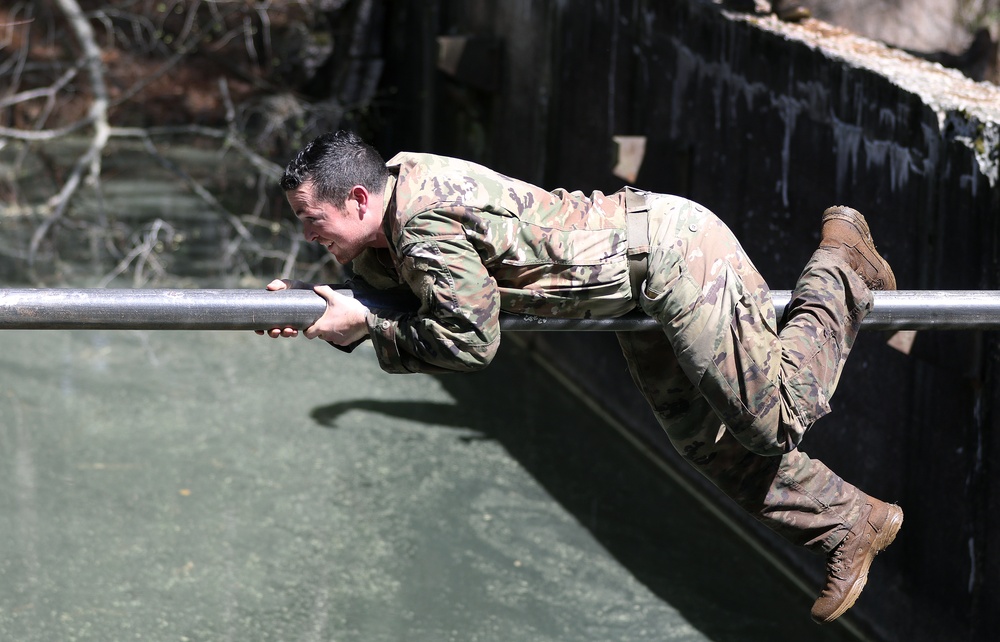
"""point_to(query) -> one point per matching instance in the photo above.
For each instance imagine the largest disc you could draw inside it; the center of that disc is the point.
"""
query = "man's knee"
(771, 434)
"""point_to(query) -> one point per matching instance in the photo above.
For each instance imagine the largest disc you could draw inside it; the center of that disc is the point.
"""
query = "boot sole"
(885, 537)
(857, 219)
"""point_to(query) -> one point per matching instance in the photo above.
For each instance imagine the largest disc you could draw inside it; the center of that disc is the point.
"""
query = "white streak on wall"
(847, 140)
(932, 141)
(815, 98)
(687, 64)
(972, 564)
(882, 154)
(968, 181)
(887, 117)
(789, 109)
(721, 78)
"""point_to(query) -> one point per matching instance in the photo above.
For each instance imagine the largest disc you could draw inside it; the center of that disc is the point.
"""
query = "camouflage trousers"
(734, 393)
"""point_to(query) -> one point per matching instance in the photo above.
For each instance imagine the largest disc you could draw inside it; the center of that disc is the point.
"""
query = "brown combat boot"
(848, 564)
(846, 230)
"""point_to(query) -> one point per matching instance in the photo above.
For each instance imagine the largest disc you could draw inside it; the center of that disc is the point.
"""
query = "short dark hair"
(334, 163)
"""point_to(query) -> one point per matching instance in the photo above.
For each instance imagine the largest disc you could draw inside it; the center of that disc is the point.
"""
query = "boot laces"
(837, 565)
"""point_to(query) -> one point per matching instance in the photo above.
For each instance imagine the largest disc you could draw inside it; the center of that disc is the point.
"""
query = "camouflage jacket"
(470, 242)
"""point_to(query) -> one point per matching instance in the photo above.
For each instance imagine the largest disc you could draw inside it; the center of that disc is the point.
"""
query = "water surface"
(224, 486)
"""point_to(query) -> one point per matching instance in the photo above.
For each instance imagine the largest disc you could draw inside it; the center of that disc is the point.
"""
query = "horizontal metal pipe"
(137, 309)
(898, 310)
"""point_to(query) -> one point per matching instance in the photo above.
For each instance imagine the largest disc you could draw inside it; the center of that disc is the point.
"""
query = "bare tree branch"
(90, 161)
(49, 92)
(163, 79)
(143, 254)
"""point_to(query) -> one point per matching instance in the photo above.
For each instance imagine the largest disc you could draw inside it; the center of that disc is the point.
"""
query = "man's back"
(555, 253)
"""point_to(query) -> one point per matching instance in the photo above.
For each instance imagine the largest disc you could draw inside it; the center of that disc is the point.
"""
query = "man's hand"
(284, 284)
(345, 319)
(343, 323)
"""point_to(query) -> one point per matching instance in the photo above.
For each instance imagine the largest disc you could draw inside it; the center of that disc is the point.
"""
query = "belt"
(637, 220)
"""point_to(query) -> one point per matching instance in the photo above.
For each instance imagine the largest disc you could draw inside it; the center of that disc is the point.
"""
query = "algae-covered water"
(225, 486)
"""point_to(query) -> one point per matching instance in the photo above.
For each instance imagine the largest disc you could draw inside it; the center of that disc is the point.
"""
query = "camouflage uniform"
(733, 394)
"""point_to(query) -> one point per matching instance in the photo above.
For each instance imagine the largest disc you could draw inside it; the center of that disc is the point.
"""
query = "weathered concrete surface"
(768, 124)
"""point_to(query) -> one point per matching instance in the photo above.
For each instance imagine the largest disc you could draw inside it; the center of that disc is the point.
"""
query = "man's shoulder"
(408, 159)
(425, 181)
(422, 164)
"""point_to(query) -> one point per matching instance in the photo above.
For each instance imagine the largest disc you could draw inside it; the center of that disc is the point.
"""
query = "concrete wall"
(767, 124)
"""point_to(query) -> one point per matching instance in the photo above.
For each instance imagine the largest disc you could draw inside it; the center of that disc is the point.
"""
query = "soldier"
(734, 393)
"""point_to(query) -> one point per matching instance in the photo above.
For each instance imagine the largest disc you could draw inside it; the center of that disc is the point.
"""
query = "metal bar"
(898, 310)
(136, 309)
(124, 309)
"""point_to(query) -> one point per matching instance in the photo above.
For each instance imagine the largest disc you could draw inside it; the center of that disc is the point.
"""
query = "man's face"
(341, 229)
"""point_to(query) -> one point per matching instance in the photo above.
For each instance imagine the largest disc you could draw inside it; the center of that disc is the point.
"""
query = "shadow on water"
(663, 537)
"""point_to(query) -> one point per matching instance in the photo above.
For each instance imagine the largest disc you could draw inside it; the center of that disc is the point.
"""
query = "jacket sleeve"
(456, 327)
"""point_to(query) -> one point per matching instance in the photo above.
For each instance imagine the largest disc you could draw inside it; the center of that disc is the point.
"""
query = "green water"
(224, 486)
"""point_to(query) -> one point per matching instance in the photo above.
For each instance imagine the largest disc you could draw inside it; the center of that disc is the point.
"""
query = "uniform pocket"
(733, 355)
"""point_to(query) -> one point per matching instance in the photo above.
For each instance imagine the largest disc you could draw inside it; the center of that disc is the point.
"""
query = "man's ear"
(361, 196)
